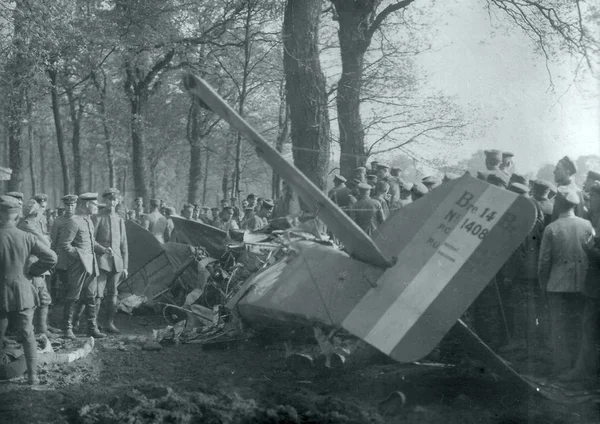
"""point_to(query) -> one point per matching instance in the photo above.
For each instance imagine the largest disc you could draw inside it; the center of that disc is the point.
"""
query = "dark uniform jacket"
(367, 214)
(110, 232)
(77, 241)
(59, 223)
(341, 196)
(16, 290)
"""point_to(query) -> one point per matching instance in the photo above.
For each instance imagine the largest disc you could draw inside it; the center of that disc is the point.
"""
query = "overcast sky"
(500, 74)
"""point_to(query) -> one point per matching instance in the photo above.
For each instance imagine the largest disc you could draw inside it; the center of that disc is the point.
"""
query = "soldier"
(42, 200)
(372, 180)
(131, 215)
(251, 199)
(540, 191)
(381, 192)
(417, 191)
(586, 365)
(373, 170)
(227, 223)
(70, 202)
(112, 256)
(204, 214)
(250, 221)
(431, 182)
(259, 202)
(18, 297)
(562, 268)
(563, 176)
(30, 224)
(590, 179)
(383, 172)
(366, 212)
(525, 306)
(187, 211)
(195, 212)
(76, 239)
(340, 194)
(155, 222)
(138, 207)
(215, 221)
(507, 163)
(405, 194)
(359, 174)
(493, 159)
(395, 183)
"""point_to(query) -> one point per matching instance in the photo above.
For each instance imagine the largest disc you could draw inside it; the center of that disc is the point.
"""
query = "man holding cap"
(112, 255)
(562, 268)
(77, 240)
(18, 296)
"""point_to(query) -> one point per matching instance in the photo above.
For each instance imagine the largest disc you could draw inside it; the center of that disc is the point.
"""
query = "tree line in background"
(93, 93)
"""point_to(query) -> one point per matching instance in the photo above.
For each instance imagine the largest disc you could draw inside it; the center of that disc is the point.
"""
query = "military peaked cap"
(419, 188)
(516, 178)
(498, 178)
(40, 197)
(339, 178)
(112, 192)
(32, 207)
(364, 186)
(360, 169)
(507, 154)
(431, 179)
(9, 204)
(69, 199)
(88, 196)
(268, 204)
(595, 188)
(15, 194)
(518, 187)
(383, 166)
(544, 185)
(594, 176)
(493, 154)
(154, 202)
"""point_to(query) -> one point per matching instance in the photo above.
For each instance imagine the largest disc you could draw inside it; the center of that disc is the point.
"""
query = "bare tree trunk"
(60, 139)
(193, 136)
(106, 129)
(282, 134)
(76, 111)
(226, 167)
(31, 153)
(305, 84)
(43, 165)
(206, 165)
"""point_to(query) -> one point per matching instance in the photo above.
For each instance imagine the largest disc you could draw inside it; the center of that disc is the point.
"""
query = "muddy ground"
(250, 383)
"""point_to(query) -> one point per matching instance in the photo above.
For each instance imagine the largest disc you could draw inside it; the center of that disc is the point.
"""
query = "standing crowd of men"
(547, 295)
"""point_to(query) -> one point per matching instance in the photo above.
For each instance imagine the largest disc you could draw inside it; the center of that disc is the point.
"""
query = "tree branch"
(384, 14)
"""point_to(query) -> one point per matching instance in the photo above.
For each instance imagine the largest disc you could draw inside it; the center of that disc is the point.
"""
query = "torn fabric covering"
(142, 246)
(198, 234)
(160, 274)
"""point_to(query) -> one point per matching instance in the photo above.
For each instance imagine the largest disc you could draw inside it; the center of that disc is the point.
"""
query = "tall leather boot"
(90, 311)
(30, 351)
(42, 320)
(69, 310)
(78, 312)
(112, 312)
(97, 311)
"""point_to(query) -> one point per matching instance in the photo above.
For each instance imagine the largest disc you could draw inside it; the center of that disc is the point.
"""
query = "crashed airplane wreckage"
(440, 253)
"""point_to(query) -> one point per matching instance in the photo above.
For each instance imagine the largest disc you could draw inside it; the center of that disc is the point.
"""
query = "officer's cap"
(518, 187)
(396, 168)
(40, 197)
(171, 210)
(593, 176)
(251, 196)
(188, 206)
(517, 178)
(372, 178)
(507, 155)
(15, 194)
(595, 188)
(88, 196)
(431, 179)
(568, 195)
(382, 186)
(493, 154)
(268, 204)
(31, 208)
(214, 209)
(543, 185)
(9, 204)
(360, 169)
(228, 208)
(569, 165)
(339, 178)
(154, 202)
(112, 192)
(205, 208)
(383, 166)
(69, 199)
(419, 188)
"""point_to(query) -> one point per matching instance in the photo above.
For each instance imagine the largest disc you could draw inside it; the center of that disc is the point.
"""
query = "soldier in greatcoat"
(78, 242)
(112, 255)
(18, 296)
(30, 224)
(366, 212)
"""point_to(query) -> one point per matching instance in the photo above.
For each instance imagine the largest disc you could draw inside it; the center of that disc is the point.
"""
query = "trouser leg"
(111, 300)
(90, 292)
(68, 312)
(587, 358)
(25, 324)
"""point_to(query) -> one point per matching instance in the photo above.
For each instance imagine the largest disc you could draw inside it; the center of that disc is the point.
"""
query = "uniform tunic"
(110, 232)
(229, 225)
(16, 290)
(341, 196)
(367, 213)
(32, 226)
(156, 223)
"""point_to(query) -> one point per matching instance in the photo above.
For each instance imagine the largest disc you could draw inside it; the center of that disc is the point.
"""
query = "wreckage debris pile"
(152, 404)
